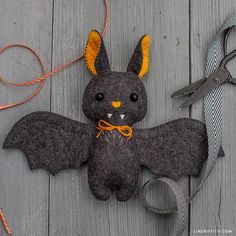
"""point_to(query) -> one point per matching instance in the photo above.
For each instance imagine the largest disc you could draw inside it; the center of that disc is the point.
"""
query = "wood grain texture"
(23, 193)
(73, 209)
(62, 205)
(166, 30)
(214, 207)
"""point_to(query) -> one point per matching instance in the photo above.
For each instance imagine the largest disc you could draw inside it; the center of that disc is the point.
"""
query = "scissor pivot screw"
(217, 79)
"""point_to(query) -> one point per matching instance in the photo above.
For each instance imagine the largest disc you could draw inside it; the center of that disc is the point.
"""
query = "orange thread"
(125, 130)
(10, 84)
(4, 222)
(41, 80)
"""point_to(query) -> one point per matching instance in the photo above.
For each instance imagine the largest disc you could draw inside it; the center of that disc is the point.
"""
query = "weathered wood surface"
(214, 207)
(23, 194)
(62, 205)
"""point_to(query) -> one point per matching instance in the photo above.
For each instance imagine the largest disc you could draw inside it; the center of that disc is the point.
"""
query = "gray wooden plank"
(24, 194)
(169, 35)
(73, 209)
(214, 206)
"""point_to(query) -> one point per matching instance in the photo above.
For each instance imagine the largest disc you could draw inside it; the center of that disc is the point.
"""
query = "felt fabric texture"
(115, 86)
(174, 149)
(53, 142)
(139, 62)
(96, 55)
(113, 167)
(145, 42)
(92, 50)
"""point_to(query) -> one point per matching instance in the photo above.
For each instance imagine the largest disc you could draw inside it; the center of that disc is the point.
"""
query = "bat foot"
(102, 194)
(124, 194)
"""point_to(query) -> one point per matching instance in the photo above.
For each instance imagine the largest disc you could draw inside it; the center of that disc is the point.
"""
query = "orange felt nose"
(116, 104)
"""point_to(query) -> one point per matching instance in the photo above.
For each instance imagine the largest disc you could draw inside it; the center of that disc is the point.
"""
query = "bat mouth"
(116, 114)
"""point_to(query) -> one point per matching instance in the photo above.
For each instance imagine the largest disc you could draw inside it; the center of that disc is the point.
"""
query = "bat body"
(114, 166)
(55, 142)
(115, 151)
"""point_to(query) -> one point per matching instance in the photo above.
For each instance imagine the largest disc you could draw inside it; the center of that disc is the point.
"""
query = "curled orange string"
(4, 222)
(41, 80)
(125, 130)
(10, 84)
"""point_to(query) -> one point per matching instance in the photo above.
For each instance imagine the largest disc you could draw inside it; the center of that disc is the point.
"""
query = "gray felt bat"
(114, 151)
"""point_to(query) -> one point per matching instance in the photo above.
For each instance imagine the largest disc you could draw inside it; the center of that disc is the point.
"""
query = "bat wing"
(51, 141)
(174, 149)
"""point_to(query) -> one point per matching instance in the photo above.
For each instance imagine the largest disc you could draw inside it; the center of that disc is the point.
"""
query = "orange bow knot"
(125, 130)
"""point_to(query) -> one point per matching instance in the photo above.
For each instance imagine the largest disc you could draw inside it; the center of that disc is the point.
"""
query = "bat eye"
(99, 96)
(133, 97)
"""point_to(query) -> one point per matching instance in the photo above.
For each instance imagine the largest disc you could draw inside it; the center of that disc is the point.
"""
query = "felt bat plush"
(113, 149)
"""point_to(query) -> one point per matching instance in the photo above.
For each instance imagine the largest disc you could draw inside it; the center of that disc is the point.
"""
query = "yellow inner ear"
(92, 50)
(145, 50)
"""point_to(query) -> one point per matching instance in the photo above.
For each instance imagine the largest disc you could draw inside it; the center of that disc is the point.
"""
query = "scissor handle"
(228, 58)
(226, 39)
(232, 80)
(230, 55)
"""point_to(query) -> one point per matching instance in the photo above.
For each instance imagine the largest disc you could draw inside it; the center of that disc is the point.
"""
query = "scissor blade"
(189, 89)
(207, 87)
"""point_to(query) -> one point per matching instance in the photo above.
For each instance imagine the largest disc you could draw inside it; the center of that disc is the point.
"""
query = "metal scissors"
(203, 86)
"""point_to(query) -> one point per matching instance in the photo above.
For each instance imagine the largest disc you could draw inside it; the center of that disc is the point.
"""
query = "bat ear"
(139, 62)
(96, 55)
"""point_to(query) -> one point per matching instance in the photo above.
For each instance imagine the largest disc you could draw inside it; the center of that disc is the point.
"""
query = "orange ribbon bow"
(125, 130)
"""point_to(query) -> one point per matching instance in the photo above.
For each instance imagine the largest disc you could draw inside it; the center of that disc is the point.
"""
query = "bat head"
(117, 97)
